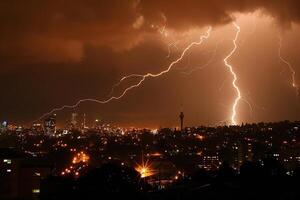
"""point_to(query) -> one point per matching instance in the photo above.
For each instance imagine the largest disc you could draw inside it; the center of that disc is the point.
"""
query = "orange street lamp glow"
(145, 169)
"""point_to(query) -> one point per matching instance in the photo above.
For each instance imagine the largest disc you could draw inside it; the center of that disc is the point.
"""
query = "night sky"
(57, 52)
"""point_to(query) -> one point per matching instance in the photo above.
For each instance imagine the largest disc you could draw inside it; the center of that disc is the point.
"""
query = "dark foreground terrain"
(254, 181)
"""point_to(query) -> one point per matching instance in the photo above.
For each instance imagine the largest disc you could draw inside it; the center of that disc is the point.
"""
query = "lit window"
(37, 174)
(36, 191)
(8, 170)
(7, 161)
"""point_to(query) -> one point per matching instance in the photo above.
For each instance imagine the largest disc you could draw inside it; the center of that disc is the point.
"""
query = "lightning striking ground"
(143, 78)
(238, 92)
(292, 70)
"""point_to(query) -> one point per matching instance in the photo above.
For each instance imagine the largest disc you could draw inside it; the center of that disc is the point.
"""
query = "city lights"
(79, 162)
(157, 99)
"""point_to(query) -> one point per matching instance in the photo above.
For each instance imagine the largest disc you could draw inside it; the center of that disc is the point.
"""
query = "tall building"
(181, 116)
(83, 124)
(74, 121)
(238, 154)
(50, 125)
(84, 121)
(21, 175)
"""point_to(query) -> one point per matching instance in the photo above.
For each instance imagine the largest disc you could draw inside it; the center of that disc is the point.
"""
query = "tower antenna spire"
(181, 116)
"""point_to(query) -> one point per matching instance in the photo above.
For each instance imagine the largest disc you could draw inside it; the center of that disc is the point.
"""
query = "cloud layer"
(57, 31)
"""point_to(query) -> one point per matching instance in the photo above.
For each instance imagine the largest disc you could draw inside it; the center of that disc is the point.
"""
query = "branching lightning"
(173, 44)
(124, 78)
(249, 105)
(211, 59)
(239, 96)
(292, 70)
(143, 78)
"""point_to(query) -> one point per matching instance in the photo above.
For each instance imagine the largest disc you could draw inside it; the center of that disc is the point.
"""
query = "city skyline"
(149, 99)
(237, 65)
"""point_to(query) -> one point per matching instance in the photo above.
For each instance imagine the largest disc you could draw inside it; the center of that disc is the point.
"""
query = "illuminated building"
(50, 125)
(84, 127)
(210, 162)
(9, 161)
(74, 121)
(20, 175)
(238, 154)
(249, 154)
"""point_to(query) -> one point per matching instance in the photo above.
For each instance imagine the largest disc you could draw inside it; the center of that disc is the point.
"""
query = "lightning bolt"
(238, 96)
(211, 59)
(143, 78)
(292, 70)
(249, 105)
(123, 79)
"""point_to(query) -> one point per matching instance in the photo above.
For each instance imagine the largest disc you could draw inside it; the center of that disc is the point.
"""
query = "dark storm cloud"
(56, 31)
(180, 14)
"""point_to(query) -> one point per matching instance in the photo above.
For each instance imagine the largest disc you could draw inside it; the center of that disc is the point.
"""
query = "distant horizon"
(61, 127)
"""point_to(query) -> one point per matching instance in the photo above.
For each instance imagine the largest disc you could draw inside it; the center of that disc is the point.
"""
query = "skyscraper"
(83, 124)
(50, 125)
(74, 121)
